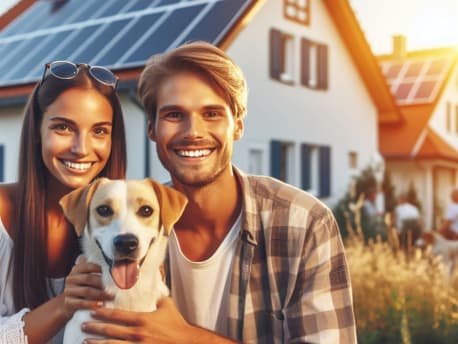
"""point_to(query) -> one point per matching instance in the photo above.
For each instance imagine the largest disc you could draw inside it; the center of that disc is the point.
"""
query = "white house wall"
(10, 132)
(343, 116)
(135, 123)
(420, 174)
(438, 119)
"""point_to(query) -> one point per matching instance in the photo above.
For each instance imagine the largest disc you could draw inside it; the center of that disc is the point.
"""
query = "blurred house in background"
(316, 92)
(422, 147)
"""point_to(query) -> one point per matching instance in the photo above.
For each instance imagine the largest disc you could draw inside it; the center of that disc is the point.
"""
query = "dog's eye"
(104, 210)
(145, 211)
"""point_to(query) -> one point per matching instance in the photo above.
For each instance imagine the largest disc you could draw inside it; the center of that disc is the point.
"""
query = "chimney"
(399, 46)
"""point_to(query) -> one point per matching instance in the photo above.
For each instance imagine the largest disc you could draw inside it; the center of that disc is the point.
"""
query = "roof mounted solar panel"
(114, 33)
(416, 80)
(174, 22)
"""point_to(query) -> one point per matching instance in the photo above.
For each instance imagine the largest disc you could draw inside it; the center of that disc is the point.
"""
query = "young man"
(252, 259)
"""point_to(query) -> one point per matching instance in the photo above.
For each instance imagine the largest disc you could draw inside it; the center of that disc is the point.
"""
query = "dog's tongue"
(125, 273)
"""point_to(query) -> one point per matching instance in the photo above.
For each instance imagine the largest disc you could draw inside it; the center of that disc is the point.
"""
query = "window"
(316, 169)
(282, 160)
(281, 56)
(255, 161)
(2, 163)
(297, 10)
(353, 160)
(314, 65)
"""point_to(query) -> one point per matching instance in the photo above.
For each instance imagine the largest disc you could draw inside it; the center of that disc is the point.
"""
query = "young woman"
(73, 132)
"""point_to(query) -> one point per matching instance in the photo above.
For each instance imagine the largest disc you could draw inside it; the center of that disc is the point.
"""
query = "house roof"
(367, 65)
(122, 35)
(416, 80)
(433, 146)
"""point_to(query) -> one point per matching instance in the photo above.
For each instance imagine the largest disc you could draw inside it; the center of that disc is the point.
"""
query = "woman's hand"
(83, 288)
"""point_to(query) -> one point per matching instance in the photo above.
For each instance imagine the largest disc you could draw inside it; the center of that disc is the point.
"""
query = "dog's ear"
(171, 203)
(76, 204)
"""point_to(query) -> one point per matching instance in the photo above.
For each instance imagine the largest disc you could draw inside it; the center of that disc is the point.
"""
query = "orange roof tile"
(398, 140)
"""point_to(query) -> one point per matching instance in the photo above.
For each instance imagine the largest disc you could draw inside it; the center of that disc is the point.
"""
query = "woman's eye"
(61, 127)
(101, 131)
(174, 114)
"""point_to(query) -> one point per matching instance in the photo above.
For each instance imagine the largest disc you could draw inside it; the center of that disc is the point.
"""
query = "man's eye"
(211, 114)
(104, 210)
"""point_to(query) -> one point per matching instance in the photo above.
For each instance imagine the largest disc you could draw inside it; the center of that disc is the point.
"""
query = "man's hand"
(166, 325)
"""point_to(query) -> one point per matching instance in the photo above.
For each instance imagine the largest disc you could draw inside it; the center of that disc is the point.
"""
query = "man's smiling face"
(194, 130)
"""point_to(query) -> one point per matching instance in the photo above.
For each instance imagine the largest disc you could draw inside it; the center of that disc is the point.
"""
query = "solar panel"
(161, 38)
(414, 69)
(437, 67)
(416, 80)
(114, 33)
(403, 90)
(392, 71)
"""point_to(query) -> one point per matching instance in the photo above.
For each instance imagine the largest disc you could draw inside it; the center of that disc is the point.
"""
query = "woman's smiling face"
(76, 136)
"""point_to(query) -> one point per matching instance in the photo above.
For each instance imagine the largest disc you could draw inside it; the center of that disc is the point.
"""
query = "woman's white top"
(201, 289)
(11, 323)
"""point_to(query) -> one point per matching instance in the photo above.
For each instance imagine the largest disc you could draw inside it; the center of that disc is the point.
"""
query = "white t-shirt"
(201, 289)
(405, 211)
(451, 214)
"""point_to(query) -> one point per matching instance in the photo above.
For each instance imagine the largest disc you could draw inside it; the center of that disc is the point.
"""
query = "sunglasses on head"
(67, 70)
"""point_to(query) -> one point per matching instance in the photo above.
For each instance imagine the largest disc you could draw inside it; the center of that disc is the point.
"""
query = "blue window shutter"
(275, 158)
(2, 163)
(325, 171)
(305, 166)
(276, 54)
(305, 61)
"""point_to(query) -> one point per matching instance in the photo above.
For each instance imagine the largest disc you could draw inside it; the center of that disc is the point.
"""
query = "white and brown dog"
(124, 227)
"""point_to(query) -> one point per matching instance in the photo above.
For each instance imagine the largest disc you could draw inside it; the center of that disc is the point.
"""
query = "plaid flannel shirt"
(290, 281)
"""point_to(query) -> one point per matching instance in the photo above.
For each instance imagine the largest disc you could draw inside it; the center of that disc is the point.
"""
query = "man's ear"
(151, 131)
(238, 131)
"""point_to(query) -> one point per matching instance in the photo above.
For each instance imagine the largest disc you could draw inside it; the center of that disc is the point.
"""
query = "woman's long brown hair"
(30, 283)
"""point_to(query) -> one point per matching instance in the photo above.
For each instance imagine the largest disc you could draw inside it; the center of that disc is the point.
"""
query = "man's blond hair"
(205, 60)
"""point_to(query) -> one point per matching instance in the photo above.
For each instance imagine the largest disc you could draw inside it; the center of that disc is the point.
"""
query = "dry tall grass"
(401, 296)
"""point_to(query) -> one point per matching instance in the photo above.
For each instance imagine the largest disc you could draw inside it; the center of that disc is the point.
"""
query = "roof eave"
(250, 12)
(14, 11)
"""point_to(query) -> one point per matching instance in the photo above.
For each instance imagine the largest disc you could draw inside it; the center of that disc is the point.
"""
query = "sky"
(6, 4)
(425, 23)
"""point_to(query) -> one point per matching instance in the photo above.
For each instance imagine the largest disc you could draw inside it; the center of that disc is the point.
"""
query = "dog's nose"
(125, 243)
